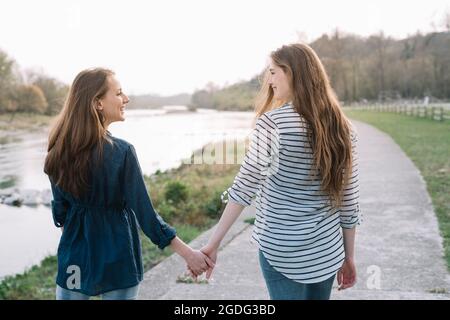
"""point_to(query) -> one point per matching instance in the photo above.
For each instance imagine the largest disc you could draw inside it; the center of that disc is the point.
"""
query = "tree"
(54, 91)
(8, 82)
(379, 43)
(31, 99)
(446, 21)
(202, 99)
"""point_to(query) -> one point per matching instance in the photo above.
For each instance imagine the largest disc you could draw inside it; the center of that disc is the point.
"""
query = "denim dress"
(100, 248)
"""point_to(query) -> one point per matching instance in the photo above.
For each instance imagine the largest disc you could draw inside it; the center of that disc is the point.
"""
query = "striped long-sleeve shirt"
(296, 228)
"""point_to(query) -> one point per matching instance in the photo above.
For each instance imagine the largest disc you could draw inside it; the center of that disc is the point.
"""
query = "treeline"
(28, 91)
(35, 92)
(381, 68)
(239, 96)
(155, 101)
(375, 68)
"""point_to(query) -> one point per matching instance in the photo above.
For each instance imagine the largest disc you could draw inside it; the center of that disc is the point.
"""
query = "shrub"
(213, 206)
(166, 211)
(175, 192)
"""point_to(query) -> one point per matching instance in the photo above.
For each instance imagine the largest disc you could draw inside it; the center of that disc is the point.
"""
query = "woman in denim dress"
(99, 197)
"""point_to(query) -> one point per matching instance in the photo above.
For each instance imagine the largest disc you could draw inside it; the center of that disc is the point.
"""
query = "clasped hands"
(201, 261)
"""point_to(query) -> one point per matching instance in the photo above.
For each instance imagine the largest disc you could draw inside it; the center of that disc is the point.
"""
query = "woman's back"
(293, 215)
(302, 169)
(105, 176)
(100, 198)
(101, 228)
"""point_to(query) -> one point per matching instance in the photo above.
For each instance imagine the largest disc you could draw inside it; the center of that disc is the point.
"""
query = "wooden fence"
(434, 112)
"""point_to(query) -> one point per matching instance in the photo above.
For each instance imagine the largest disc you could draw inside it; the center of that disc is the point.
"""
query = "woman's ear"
(99, 105)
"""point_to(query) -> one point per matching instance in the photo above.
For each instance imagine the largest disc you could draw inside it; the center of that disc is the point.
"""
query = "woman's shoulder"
(286, 117)
(286, 110)
(118, 145)
(120, 141)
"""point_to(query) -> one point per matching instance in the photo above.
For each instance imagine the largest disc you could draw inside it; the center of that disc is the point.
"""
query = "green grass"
(205, 183)
(250, 220)
(8, 182)
(427, 144)
(192, 215)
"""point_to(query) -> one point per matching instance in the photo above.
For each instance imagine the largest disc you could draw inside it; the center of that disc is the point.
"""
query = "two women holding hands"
(301, 171)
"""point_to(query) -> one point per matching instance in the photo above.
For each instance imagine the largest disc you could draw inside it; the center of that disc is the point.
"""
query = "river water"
(162, 138)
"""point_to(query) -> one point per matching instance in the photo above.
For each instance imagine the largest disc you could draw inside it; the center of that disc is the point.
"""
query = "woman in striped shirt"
(301, 170)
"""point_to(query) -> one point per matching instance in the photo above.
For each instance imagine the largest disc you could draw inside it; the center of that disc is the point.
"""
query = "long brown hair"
(78, 131)
(314, 100)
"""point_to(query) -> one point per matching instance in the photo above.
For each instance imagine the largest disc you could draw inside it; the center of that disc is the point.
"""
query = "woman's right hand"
(346, 276)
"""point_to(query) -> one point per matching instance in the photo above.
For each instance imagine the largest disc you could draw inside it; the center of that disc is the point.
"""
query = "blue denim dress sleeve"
(137, 199)
(60, 205)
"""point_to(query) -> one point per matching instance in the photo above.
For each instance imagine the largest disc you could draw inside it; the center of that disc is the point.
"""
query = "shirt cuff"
(239, 198)
(352, 220)
(59, 211)
(166, 236)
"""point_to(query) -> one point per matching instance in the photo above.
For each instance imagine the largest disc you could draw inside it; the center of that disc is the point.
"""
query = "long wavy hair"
(77, 133)
(314, 100)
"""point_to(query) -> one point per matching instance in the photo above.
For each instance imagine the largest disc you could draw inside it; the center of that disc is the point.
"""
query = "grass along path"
(427, 144)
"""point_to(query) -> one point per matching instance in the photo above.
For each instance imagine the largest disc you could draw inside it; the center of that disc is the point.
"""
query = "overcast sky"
(174, 46)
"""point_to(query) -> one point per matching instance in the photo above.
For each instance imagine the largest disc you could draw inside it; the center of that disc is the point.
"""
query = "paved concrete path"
(399, 250)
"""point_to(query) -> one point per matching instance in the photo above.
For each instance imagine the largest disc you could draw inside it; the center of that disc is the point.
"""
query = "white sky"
(174, 46)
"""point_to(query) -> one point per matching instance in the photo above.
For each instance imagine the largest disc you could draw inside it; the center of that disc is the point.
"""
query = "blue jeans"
(121, 294)
(282, 288)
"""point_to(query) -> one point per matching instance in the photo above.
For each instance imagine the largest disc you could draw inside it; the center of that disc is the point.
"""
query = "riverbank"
(24, 121)
(187, 197)
(427, 144)
(12, 126)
